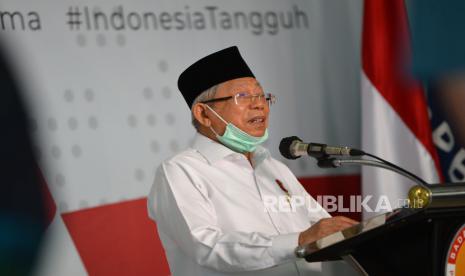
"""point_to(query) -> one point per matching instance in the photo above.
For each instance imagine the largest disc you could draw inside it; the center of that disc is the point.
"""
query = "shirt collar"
(214, 151)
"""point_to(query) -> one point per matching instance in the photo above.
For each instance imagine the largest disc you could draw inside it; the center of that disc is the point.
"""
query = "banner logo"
(456, 255)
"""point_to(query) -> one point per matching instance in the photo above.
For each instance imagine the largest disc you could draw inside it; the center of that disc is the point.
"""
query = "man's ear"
(199, 112)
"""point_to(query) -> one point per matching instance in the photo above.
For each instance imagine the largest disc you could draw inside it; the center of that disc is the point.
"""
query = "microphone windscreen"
(285, 147)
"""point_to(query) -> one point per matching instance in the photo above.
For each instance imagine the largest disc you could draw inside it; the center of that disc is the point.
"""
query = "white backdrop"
(104, 104)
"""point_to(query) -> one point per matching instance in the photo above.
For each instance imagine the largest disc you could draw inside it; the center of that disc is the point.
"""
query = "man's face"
(251, 117)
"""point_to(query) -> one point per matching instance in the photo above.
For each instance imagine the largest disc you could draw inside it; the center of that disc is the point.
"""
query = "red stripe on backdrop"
(119, 239)
(339, 185)
(386, 62)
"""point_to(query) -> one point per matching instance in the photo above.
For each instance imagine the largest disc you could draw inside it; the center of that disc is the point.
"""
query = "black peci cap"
(211, 70)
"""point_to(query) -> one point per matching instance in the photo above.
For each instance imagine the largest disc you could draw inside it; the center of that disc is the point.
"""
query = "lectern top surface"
(356, 230)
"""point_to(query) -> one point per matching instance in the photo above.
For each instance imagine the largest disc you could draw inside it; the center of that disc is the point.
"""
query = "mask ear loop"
(217, 115)
(240, 130)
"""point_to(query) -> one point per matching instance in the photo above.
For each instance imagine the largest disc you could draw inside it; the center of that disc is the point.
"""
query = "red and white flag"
(395, 122)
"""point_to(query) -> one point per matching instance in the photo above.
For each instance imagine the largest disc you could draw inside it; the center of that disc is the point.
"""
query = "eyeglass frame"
(268, 97)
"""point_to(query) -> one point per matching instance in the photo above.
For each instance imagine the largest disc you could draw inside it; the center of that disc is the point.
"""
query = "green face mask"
(237, 139)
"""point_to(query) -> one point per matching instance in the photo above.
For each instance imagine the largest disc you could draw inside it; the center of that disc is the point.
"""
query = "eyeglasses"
(244, 98)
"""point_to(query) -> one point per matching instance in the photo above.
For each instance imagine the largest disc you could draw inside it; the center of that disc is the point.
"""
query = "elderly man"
(211, 201)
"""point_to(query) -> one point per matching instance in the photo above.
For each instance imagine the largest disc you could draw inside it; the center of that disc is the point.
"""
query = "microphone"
(293, 148)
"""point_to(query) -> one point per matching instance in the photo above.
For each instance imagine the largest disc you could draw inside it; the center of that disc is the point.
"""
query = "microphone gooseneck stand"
(331, 162)
(420, 196)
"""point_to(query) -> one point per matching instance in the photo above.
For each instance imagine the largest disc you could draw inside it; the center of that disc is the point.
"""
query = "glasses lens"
(242, 98)
(245, 98)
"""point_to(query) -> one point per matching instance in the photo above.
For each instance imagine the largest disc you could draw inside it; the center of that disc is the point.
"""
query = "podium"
(406, 241)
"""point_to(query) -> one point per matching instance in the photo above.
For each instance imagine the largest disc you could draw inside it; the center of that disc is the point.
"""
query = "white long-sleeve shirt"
(215, 216)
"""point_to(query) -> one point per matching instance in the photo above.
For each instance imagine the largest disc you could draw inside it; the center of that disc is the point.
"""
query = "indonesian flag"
(395, 122)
